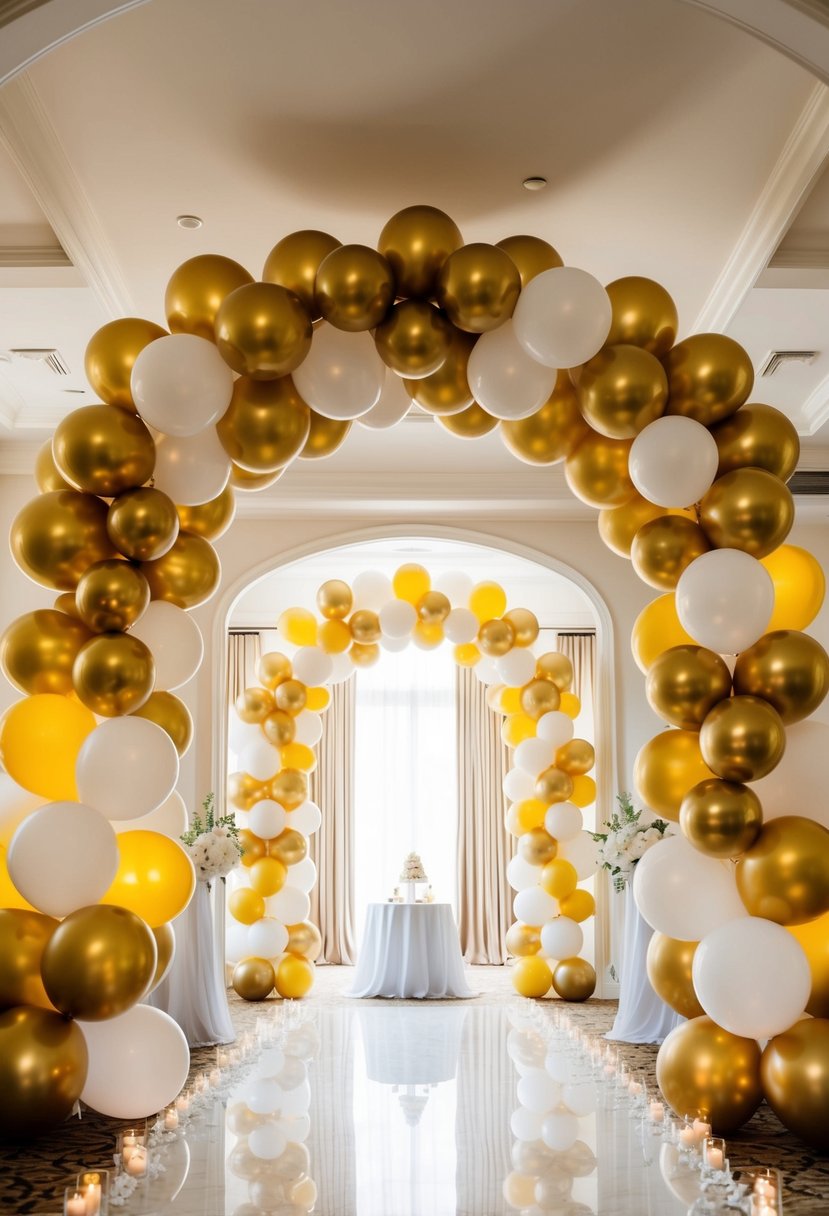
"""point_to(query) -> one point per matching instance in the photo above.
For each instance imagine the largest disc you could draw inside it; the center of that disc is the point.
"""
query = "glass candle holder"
(133, 1152)
(170, 1120)
(74, 1202)
(94, 1186)
(765, 1192)
(714, 1158)
(655, 1113)
(687, 1139)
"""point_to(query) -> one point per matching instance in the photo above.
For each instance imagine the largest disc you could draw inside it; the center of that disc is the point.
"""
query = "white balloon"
(260, 759)
(582, 851)
(15, 804)
(393, 406)
(62, 857)
(342, 376)
(267, 1142)
(456, 586)
(504, 378)
(372, 589)
(579, 1097)
(525, 1124)
(534, 906)
(126, 767)
(522, 874)
(394, 645)
(673, 461)
(558, 1066)
(563, 317)
(461, 626)
(306, 818)
(181, 384)
(538, 1092)
(534, 755)
(289, 905)
(724, 599)
(398, 618)
(560, 1129)
(725, 977)
(303, 875)
(240, 734)
(297, 1129)
(191, 470)
(312, 666)
(798, 784)
(175, 641)
(557, 728)
(563, 821)
(264, 1096)
(486, 671)
(292, 1073)
(684, 894)
(516, 668)
(138, 1063)
(342, 669)
(236, 941)
(267, 819)
(266, 938)
(170, 819)
(296, 1101)
(519, 785)
(307, 727)
(562, 938)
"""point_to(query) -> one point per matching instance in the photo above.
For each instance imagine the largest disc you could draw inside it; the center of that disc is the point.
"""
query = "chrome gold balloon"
(56, 536)
(111, 353)
(279, 728)
(274, 668)
(98, 963)
(670, 971)
(531, 256)
(165, 945)
(334, 599)
(266, 424)
(263, 331)
(102, 450)
(37, 651)
(290, 847)
(305, 940)
(597, 470)
(706, 1072)
(666, 546)
(65, 603)
(667, 766)
(539, 697)
(555, 666)
(252, 847)
(684, 684)
(354, 288)
(46, 471)
(196, 290)
(113, 674)
(760, 437)
(742, 738)
(747, 509)
(537, 847)
(496, 637)
(721, 818)
(576, 757)
(446, 391)
(784, 876)
(243, 790)
(469, 423)
(788, 669)
(187, 575)
(478, 287)
(416, 242)
(621, 390)
(254, 704)
(172, 715)
(294, 261)
(365, 626)
(553, 785)
(364, 654)
(142, 524)
(291, 696)
(325, 435)
(524, 624)
(241, 479)
(619, 525)
(709, 377)
(434, 607)
(23, 938)
(795, 1077)
(551, 433)
(644, 315)
(43, 1066)
(414, 339)
(111, 596)
(209, 519)
(574, 979)
(523, 940)
(253, 979)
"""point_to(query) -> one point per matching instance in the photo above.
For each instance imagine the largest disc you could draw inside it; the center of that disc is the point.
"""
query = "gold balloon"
(524, 624)
(414, 339)
(814, 938)
(416, 242)
(555, 666)
(241, 479)
(597, 470)
(742, 738)
(576, 757)
(294, 261)
(196, 290)
(434, 607)
(354, 288)
(98, 963)
(23, 938)
(758, 436)
(721, 818)
(709, 377)
(46, 471)
(553, 785)
(325, 435)
(335, 599)
(267, 423)
(274, 668)
(470, 423)
(253, 979)
(446, 391)
(262, 331)
(111, 354)
(707, 1072)
(667, 766)
(523, 940)
(289, 788)
(113, 674)
(788, 669)
(279, 728)
(666, 546)
(621, 390)
(252, 847)
(540, 697)
(656, 629)
(795, 1076)
(685, 683)
(65, 603)
(537, 847)
(111, 596)
(551, 433)
(209, 519)
(143, 523)
(670, 970)
(619, 525)
(574, 979)
(38, 649)
(165, 946)
(55, 536)
(291, 696)
(496, 637)
(294, 977)
(103, 450)
(289, 847)
(478, 287)
(43, 1066)
(531, 256)
(747, 509)
(784, 876)
(304, 939)
(255, 704)
(172, 715)
(644, 315)
(364, 654)
(187, 575)
(243, 790)
(365, 626)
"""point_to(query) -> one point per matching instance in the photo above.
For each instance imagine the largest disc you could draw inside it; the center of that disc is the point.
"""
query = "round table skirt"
(410, 950)
(642, 1017)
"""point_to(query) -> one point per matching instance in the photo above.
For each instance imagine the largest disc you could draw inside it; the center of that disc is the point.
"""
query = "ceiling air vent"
(776, 358)
(810, 483)
(53, 359)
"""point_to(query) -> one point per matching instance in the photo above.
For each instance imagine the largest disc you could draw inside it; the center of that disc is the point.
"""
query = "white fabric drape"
(244, 649)
(642, 1017)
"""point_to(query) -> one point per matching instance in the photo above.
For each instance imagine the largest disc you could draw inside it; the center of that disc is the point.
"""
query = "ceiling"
(675, 145)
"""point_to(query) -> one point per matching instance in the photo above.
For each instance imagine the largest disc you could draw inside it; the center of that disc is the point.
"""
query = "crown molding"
(815, 414)
(796, 28)
(32, 28)
(27, 134)
(28, 256)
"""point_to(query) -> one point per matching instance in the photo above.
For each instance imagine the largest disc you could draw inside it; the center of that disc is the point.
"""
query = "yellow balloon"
(814, 938)
(335, 599)
(38, 649)
(670, 971)
(704, 1071)
(559, 878)
(298, 626)
(111, 354)
(111, 596)
(317, 699)
(531, 256)
(155, 877)
(266, 424)
(246, 905)
(267, 876)
(10, 897)
(579, 906)
(262, 331)
(209, 519)
(102, 450)
(799, 587)
(170, 713)
(467, 654)
(557, 667)
(523, 940)
(325, 436)
(98, 963)
(469, 423)
(294, 977)
(334, 637)
(666, 768)
(531, 977)
(43, 1068)
(305, 940)
(411, 582)
(524, 624)
(643, 315)
(143, 523)
(40, 738)
(527, 815)
(113, 674)
(656, 629)
(291, 696)
(516, 728)
(196, 290)
(56, 536)
(414, 340)
(784, 876)
(584, 790)
(294, 261)
(427, 635)
(795, 1075)
(510, 701)
(23, 938)
(597, 470)
(417, 241)
(188, 573)
(488, 600)
(274, 668)
(574, 979)
(253, 979)
(570, 704)
(298, 755)
(289, 788)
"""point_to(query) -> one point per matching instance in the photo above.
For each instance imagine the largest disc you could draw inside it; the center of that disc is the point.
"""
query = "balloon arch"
(690, 482)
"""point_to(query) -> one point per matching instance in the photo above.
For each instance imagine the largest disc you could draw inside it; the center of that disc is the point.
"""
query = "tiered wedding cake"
(413, 869)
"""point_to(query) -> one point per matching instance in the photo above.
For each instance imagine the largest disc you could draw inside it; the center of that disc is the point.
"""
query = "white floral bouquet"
(213, 843)
(626, 840)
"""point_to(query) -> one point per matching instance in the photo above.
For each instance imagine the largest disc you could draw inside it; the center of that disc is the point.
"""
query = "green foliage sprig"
(210, 821)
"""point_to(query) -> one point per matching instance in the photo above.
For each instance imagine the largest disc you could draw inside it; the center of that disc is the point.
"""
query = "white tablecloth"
(642, 1017)
(410, 950)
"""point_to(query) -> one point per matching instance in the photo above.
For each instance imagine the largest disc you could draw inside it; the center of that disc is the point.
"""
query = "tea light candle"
(656, 1112)
(634, 1088)
(75, 1205)
(136, 1163)
(182, 1104)
(92, 1199)
(687, 1138)
(714, 1158)
(701, 1129)
(170, 1119)
(215, 1077)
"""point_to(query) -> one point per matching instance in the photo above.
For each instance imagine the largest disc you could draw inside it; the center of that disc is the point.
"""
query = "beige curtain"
(332, 847)
(243, 653)
(580, 649)
(484, 845)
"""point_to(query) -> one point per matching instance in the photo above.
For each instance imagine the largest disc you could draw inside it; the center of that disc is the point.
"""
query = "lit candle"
(686, 1137)
(170, 1119)
(215, 1076)
(634, 1088)
(714, 1158)
(92, 1199)
(182, 1104)
(701, 1129)
(136, 1163)
(656, 1111)
(75, 1205)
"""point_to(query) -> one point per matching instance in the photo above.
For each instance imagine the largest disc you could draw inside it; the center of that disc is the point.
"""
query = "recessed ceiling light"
(534, 183)
(189, 221)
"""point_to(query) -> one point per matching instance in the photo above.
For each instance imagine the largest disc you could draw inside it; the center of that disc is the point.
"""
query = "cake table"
(410, 950)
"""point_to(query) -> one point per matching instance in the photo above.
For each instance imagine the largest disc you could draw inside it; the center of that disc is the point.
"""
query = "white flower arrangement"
(626, 841)
(213, 844)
